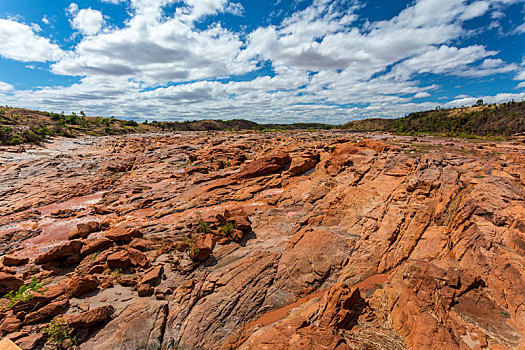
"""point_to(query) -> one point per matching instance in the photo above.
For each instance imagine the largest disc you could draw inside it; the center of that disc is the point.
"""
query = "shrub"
(58, 332)
(25, 292)
(226, 229)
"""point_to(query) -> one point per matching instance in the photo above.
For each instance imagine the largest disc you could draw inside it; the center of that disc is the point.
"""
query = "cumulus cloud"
(158, 50)
(327, 63)
(5, 87)
(86, 21)
(20, 42)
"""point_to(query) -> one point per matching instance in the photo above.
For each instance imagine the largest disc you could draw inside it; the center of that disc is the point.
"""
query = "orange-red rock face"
(266, 241)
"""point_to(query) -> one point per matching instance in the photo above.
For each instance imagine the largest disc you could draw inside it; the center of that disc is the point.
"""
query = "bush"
(25, 292)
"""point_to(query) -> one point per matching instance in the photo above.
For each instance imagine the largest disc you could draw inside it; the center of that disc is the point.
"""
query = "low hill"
(484, 120)
(19, 126)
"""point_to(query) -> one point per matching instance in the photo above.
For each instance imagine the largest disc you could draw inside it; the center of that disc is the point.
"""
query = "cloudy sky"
(270, 61)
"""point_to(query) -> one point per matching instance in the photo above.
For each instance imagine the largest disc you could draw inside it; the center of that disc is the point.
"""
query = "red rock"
(303, 163)
(241, 223)
(141, 244)
(90, 318)
(46, 312)
(202, 248)
(29, 342)
(144, 290)
(153, 275)
(9, 283)
(10, 324)
(102, 210)
(96, 269)
(119, 260)
(128, 281)
(60, 252)
(265, 165)
(84, 229)
(138, 259)
(93, 245)
(123, 234)
(13, 260)
(80, 285)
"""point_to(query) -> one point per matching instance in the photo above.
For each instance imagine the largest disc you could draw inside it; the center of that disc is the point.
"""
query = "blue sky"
(267, 61)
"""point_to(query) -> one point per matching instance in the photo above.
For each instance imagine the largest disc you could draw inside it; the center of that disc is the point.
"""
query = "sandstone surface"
(302, 240)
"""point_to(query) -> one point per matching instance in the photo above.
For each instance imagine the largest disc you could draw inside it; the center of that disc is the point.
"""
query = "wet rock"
(60, 252)
(139, 326)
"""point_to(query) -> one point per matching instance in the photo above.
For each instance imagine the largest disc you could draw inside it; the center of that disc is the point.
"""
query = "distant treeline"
(18, 126)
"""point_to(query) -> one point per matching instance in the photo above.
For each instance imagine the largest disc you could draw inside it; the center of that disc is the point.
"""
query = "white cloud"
(45, 20)
(5, 87)
(328, 64)
(520, 76)
(87, 21)
(521, 85)
(20, 42)
(114, 2)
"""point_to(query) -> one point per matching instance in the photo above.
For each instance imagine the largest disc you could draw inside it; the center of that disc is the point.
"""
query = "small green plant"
(94, 256)
(202, 226)
(25, 292)
(116, 273)
(224, 163)
(504, 314)
(378, 285)
(58, 332)
(226, 229)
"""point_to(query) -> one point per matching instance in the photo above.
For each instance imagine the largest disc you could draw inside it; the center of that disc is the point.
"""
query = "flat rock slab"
(140, 326)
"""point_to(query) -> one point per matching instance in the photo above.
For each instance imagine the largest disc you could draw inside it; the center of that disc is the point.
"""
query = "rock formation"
(301, 240)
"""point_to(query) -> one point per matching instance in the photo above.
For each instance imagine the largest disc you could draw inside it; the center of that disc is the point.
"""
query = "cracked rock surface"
(300, 240)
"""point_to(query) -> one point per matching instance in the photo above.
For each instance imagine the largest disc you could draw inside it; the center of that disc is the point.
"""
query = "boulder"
(30, 342)
(123, 235)
(202, 248)
(46, 312)
(84, 229)
(138, 258)
(13, 260)
(265, 165)
(141, 244)
(303, 163)
(93, 245)
(80, 285)
(153, 275)
(10, 324)
(90, 318)
(119, 260)
(60, 252)
(9, 283)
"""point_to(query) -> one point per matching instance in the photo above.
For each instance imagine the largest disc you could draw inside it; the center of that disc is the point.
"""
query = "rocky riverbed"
(302, 240)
